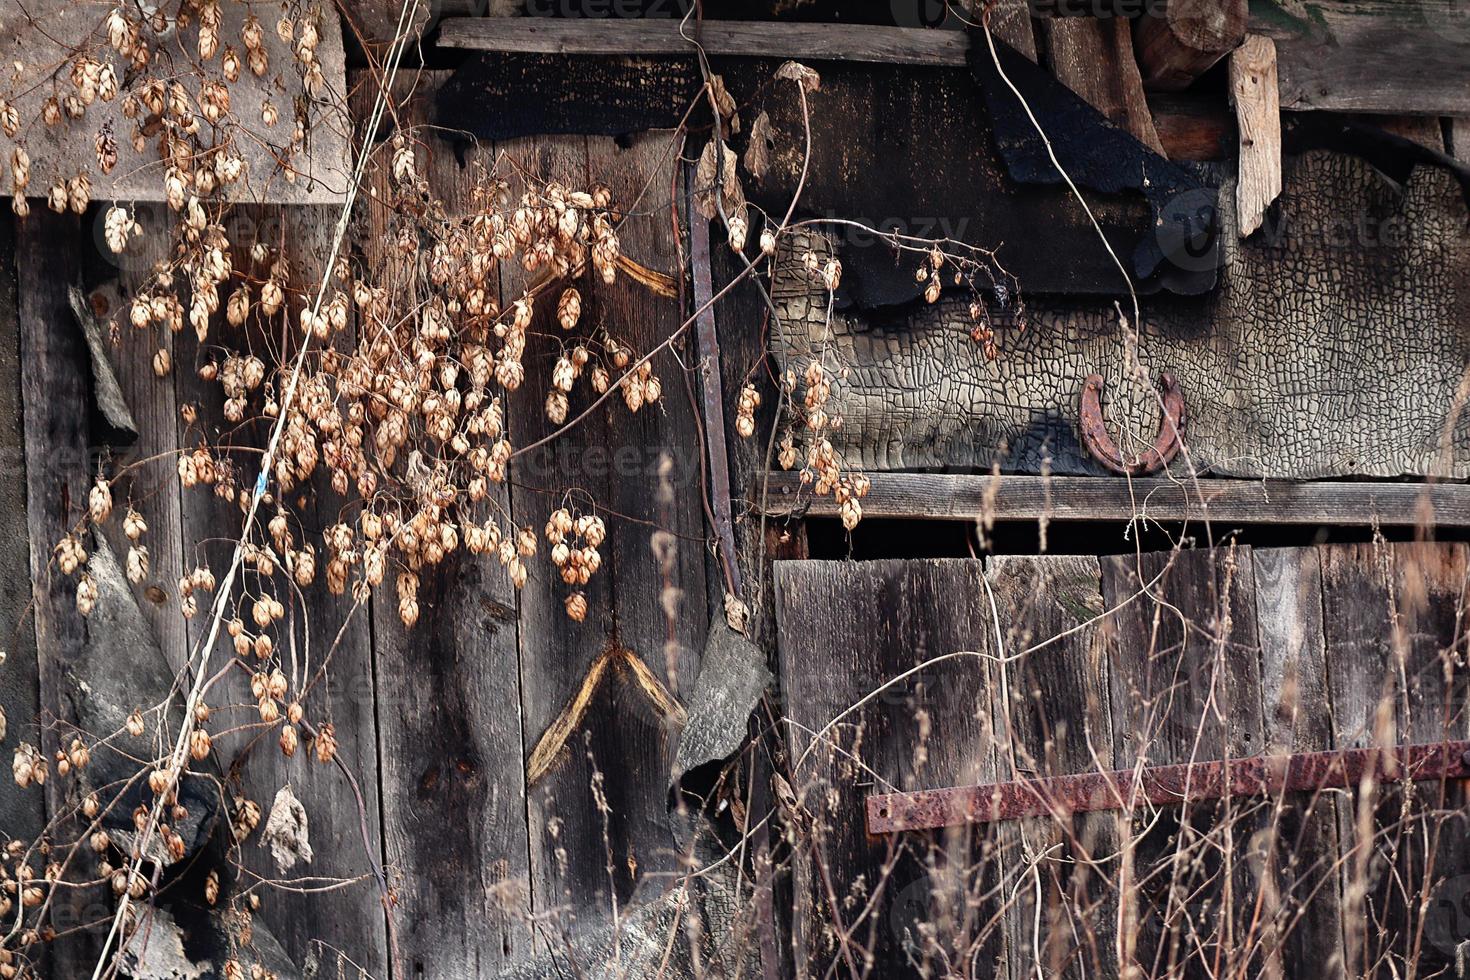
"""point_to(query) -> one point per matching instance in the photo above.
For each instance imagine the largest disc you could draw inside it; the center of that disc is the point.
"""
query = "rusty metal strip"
(1160, 785)
(712, 392)
(1100, 445)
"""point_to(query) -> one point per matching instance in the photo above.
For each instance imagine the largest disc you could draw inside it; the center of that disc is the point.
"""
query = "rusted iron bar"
(1160, 785)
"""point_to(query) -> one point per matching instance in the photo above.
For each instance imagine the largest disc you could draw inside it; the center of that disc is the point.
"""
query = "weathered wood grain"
(956, 496)
(1401, 56)
(1313, 360)
(448, 695)
(1094, 57)
(323, 646)
(612, 36)
(59, 472)
(1058, 722)
(1258, 121)
(1393, 614)
(22, 812)
(845, 629)
(1186, 686)
(1307, 927)
(1179, 40)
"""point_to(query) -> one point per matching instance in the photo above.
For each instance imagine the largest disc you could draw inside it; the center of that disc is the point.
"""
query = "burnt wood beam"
(754, 39)
(1179, 40)
(947, 496)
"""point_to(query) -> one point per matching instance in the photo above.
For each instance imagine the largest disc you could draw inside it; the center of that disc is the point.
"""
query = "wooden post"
(1184, 38)
(1258, 118)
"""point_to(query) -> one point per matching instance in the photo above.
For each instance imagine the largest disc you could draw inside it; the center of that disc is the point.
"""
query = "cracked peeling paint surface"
(1334, 347)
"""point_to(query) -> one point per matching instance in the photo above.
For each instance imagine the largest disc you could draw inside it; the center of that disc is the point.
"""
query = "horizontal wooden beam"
(755, 39)
(1397, 56)
(946, 496)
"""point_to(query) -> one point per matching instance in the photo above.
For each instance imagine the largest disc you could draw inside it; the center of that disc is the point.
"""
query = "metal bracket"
(1101, 446)
(1159, 785)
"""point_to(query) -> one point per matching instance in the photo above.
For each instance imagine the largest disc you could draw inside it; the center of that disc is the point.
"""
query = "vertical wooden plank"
(1258, 120)
(55, 398)
(152, 484)
(22, 812)
(323, 646)
(1058, 722)
(1394, 618)
(1297, 717)
(449, 726)
(1094, 57)
(1186, 687)
(912, 901)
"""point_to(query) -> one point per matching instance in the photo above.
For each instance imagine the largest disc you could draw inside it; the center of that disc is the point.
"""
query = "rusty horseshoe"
(1101, 446)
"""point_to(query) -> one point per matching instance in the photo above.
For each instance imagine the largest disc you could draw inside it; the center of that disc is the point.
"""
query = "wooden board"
(1392, 614)
(844, 629)
(1307, 926)
(322, 643)
(655, 36)
(59, 473)
(1059, 722)
(954, 496)
(1186, 686)
(22, 812)
(1311, 361)
(448, 725)
(1400, 56)
(1093, 57)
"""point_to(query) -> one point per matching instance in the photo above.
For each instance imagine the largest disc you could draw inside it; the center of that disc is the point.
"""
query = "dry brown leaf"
(795, 71)
(708, 172)
(758, 153)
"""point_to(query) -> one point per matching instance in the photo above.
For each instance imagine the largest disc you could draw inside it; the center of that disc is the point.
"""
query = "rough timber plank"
(153, 487)
(1186, 685)
(1060, 724)
(350, 918)
(955, 496)
(449, 727)
(1311, 361)
(59, 471)
(638, 36)
(1294, 688)
(1258, 119)
(1393, 618)
(1405, 56)
(22, 812)
(1093, 56)
(844, 629)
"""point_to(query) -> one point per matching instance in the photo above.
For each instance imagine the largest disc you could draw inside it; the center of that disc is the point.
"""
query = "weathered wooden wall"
(1065, 665)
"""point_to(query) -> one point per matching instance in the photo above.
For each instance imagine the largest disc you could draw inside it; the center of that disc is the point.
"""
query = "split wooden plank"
(845, 629)
(1400, 56)
(1179, 40)
(1094, 58)
(635, 37)
(22, 811)
(952, 496)
(1186, 686)
(1258, 121)
(1057, 723)
(59, 472)
(448, 692)
(1307, 927)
